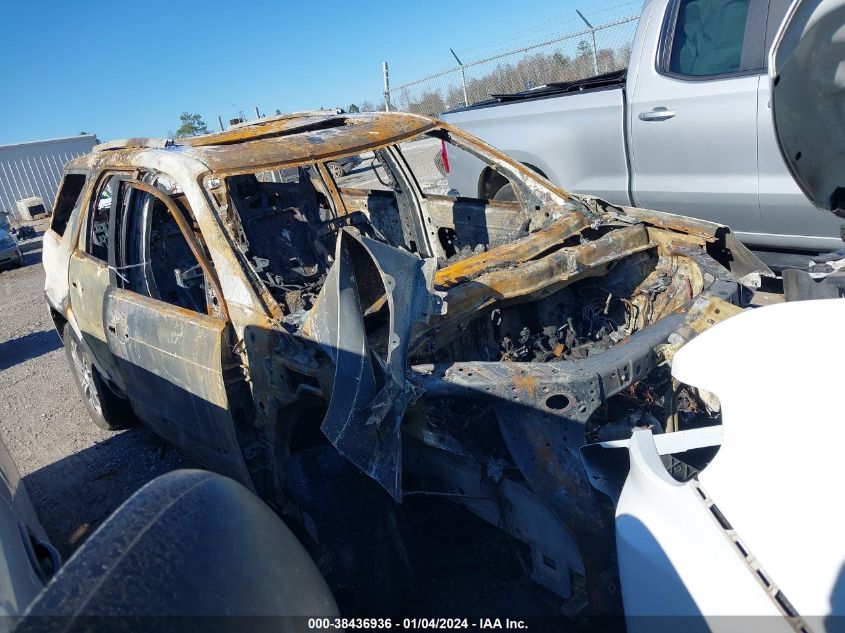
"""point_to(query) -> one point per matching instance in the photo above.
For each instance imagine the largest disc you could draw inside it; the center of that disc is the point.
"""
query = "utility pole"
(386, 87)
(463, 76)
(593, 35)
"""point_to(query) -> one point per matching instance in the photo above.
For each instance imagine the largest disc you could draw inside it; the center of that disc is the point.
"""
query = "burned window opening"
(152, 255)
(279, 224)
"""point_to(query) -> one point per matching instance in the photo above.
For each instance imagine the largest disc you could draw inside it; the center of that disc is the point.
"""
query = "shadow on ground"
(74, 495)
(29, 346)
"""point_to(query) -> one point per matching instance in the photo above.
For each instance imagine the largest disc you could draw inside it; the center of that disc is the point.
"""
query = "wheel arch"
(490, 181)
(59, 321)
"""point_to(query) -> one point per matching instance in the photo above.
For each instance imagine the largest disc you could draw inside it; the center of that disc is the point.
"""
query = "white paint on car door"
(693, 113)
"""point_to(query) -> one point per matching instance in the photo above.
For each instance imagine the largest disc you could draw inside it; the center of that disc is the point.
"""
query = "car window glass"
(708, 37)
(67, 201)
(156, 259)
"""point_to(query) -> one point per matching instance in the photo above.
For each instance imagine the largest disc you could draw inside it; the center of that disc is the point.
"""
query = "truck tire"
(107, 410)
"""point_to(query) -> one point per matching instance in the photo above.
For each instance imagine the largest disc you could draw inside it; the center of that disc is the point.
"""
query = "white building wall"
(35, 169)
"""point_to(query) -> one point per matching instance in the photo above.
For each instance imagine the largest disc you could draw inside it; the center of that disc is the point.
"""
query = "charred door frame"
(176, 358)
(92, 327)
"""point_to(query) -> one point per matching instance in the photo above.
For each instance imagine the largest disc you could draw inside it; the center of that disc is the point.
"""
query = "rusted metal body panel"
(183, 395)
(485, 337)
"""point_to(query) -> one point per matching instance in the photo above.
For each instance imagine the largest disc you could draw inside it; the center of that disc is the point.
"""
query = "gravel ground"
(76, 473)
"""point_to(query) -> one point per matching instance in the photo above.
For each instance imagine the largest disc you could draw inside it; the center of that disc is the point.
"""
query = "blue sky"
(129, 69)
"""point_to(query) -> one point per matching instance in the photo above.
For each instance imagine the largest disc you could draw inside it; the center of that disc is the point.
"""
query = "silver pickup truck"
(686, 128)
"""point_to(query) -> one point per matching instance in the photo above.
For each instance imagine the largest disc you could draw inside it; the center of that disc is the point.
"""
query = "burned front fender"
(370, 390)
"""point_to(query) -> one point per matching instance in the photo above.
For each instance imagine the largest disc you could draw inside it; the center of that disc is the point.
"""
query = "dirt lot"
(75, 473)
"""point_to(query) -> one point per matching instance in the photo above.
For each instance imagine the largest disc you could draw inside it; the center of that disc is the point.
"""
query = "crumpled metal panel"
(370, 390)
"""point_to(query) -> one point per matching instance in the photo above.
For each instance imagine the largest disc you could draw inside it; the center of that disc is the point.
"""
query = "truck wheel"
(506, 194)
(108, 410)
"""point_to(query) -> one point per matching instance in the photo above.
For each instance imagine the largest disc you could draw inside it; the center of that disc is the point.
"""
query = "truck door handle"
(658, 114)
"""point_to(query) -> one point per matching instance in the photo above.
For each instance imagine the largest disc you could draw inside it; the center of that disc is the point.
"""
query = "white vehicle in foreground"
(760, 530)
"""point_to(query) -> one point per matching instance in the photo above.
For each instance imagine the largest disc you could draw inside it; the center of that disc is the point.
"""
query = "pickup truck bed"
(583, 118)
(615, 79)
(686, 129)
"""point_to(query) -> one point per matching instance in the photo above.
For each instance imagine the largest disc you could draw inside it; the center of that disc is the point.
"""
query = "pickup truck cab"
(686, 128)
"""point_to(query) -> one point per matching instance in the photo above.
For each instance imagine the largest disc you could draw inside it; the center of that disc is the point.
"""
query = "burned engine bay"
(438, 362)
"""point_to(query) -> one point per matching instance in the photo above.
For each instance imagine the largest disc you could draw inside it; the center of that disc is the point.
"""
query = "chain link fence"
(576, 54)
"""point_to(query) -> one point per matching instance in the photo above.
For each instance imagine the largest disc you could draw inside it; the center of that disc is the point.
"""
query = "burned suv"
(340, 342)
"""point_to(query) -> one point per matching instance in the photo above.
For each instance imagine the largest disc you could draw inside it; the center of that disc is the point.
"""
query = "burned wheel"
(108, 410)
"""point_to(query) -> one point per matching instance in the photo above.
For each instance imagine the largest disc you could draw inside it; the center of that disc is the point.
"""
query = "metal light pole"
(386, 87)
(593, 36)
(463, 76)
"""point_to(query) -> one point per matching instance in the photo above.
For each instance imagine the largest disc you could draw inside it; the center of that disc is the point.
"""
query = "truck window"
(66, 201)
(708, 37)
(155, 258)
(97, 226)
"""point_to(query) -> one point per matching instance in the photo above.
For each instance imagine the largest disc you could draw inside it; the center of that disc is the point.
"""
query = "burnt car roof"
(285, 140)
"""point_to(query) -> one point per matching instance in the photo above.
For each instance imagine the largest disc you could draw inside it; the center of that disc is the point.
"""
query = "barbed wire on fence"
(566, 57)
(552, 27)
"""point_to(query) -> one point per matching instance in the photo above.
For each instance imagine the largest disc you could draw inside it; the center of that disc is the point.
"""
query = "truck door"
(785, 209)
(167, 327)
(90, 272)
(693, 112)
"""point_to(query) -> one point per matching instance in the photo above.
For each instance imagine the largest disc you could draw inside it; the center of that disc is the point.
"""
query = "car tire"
(506, 194)
(336, 170)
(107, 410)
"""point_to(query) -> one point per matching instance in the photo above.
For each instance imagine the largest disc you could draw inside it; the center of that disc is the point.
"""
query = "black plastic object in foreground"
(188, 547)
